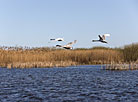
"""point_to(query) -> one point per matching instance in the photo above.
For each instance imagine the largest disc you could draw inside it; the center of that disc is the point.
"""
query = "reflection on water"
(73, 84)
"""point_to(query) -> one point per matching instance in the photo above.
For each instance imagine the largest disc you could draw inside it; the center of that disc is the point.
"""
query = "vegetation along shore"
(41, 57)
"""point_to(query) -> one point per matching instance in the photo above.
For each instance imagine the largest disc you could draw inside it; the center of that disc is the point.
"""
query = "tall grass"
(130, 52)
(21, 57)
(49, 57)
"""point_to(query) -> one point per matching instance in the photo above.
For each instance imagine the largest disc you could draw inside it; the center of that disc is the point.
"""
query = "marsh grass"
(130, 57)
(130, 53)
(39, 57)
(15, 57)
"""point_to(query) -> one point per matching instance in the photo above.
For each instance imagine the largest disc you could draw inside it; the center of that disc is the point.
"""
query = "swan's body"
(68, 46)
(101, 38)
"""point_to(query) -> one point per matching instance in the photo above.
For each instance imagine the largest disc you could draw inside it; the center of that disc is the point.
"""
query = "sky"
(33, 22)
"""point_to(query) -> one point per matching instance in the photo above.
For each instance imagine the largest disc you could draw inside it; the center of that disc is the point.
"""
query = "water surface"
(71, 84)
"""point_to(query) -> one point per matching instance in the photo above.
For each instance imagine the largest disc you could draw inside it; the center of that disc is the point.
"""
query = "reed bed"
(130, 57)
(15, 57)
(41, 57)
(130, 52)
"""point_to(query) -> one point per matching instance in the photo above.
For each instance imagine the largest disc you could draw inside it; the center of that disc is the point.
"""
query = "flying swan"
(57, 39)
(68, 46)
(101, 38)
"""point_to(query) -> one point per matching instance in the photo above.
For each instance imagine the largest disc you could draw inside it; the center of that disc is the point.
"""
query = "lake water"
(71, 84)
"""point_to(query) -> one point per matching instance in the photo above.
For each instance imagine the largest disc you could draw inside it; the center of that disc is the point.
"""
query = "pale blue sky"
(34, 22)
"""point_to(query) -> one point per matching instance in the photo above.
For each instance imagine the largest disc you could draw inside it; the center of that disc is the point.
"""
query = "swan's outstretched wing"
(69, 44)
(106, 34)
(103, 37)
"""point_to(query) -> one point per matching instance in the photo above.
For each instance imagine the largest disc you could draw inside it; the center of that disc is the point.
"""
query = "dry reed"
(18, 57)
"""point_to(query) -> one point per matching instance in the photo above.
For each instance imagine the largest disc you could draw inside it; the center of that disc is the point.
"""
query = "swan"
(68, 46)
(101, 38)
(57, 39)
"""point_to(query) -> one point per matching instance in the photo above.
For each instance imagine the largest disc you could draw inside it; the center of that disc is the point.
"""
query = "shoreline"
(39, 64)
(113, 66)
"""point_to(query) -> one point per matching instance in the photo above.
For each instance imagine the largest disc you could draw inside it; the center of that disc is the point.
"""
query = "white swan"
(68, 46)
(57, 39)
(101, 39)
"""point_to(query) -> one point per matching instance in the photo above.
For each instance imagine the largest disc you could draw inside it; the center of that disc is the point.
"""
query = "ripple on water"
(74, 84)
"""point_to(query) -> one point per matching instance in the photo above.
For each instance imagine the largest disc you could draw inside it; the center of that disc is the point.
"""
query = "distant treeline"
(26, 57)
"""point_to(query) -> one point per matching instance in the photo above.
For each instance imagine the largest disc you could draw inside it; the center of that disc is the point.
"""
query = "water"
(73, 84)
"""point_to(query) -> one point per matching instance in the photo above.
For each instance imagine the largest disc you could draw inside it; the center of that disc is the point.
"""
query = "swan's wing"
(105, 36)
(101, 38)
(69, 44)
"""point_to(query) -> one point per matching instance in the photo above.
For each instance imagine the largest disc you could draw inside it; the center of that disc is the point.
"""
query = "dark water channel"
(72, 84)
